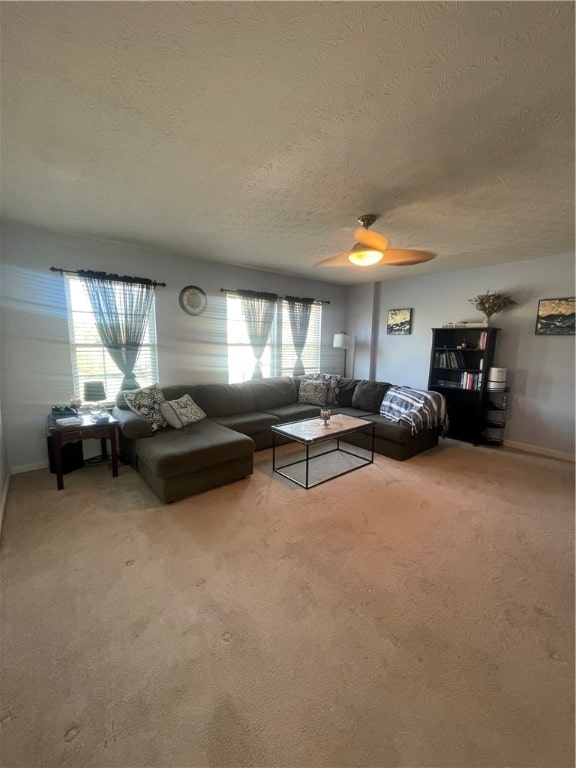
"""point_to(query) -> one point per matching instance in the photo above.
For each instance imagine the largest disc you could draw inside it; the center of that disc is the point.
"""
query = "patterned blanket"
(419, 408)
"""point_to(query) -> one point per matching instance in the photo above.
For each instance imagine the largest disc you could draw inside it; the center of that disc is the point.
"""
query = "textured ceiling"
(255, 133)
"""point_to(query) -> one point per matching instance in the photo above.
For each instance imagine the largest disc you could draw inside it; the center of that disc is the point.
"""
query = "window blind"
(90, 359)
(279, 356)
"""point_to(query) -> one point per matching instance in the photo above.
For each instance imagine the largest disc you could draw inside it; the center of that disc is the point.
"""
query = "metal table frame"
(315, 441)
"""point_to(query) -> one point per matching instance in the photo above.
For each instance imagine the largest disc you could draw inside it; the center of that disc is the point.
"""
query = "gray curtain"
(121, 309)
(299, 313)
(258, 311)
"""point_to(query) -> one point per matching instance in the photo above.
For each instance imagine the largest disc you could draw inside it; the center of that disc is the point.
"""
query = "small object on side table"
(75, 402)
(325, 415)
(99, 414)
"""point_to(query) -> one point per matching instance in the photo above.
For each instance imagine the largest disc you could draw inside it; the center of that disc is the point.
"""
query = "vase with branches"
(491, 303)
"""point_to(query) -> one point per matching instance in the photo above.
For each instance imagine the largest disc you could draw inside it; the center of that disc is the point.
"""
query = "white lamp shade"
(341, 341)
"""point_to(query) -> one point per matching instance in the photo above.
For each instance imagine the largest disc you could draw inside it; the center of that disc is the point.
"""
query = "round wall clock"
(193, 300)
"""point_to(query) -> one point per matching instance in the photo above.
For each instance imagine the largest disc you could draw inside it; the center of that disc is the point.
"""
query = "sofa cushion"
(224, 399)
(357, 413)
(146, 403)
(295, 412)
(346, 389)
(178, 413)
(176, 391)
(273, 392)
(396, 432)
(368, 395)
(173, 452)
(248, 423)
(313, 392)
(131, 425)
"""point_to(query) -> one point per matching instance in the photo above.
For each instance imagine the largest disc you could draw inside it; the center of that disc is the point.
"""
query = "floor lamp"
(342, 341)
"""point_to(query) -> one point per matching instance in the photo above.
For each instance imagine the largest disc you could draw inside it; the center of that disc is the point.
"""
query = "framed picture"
(399, 322)
(555, 317)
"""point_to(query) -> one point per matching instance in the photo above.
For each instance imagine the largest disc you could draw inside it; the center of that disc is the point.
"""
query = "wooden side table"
(88, 430)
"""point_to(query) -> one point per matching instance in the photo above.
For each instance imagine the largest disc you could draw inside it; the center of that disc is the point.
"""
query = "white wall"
(36, 353)
(541, 368)
(360, 315)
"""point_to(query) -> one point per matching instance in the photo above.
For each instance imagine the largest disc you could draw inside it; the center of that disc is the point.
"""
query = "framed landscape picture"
(399, 322)
(555, 317)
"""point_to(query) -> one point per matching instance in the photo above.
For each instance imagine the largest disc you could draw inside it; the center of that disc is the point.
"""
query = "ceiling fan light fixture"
(363, 256)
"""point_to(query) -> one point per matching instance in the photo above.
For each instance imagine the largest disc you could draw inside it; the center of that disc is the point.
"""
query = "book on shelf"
(448, 384)
(471, 381)
(449, 359)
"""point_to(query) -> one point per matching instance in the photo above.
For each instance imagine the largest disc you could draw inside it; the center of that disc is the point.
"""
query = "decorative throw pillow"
(332, 381)
(179, 413)
(368, 395)
(312, 392)
(146, 403)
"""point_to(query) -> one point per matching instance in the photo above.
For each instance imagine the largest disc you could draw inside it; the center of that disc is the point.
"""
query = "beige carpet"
(407, 614)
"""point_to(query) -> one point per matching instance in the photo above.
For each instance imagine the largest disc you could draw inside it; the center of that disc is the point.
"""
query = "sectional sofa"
(219, 449)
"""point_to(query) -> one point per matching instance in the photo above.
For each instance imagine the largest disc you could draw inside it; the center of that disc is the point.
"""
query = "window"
(279, 356)
(90, 360)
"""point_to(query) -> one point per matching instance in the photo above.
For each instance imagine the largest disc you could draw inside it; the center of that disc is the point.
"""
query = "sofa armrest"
(131, 425)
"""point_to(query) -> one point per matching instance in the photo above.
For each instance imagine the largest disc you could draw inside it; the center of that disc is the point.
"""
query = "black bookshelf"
(459, 363)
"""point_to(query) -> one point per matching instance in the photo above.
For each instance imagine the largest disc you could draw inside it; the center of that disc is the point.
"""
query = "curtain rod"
(235, 293)
(105, 276)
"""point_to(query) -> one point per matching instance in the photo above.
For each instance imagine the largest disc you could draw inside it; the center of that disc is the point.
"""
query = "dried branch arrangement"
(491, 303)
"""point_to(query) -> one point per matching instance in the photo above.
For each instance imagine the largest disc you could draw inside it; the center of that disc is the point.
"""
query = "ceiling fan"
(372, 248)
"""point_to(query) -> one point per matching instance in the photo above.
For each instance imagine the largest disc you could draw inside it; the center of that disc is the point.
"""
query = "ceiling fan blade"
(339, 260)
(371, 239)
(403, 257)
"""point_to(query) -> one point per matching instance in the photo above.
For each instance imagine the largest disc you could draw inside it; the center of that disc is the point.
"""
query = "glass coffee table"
(312, 432)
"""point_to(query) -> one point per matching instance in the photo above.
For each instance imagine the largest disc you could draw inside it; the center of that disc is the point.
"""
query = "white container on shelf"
(497, 378)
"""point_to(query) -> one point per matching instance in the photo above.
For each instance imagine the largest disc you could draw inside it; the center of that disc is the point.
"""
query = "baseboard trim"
(536, 449)
(28, 467)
